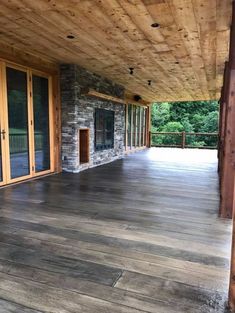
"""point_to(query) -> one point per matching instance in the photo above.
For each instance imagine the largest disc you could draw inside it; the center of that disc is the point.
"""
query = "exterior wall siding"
(78, 112)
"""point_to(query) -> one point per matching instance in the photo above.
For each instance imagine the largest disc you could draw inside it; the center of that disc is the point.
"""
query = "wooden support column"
(222, 120)
(228, 158)
(223, 123)
(148, 127)
(230, 140)
(227, 165)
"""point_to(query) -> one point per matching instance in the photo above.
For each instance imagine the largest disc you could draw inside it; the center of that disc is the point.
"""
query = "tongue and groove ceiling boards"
(184, 58)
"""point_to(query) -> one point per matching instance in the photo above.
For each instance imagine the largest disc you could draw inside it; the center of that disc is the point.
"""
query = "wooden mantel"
(93, 93)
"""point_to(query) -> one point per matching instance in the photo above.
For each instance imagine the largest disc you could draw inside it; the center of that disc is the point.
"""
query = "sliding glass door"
(41, 124)
(18, 126)
(25, 124)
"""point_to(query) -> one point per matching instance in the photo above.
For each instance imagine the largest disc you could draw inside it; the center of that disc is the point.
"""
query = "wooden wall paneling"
(20, 57)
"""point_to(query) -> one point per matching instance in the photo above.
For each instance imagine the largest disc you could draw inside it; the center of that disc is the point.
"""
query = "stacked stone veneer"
(78, 112)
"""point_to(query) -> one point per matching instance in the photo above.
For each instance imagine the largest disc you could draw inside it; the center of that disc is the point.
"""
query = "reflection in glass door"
(41, 123)
(17, 103)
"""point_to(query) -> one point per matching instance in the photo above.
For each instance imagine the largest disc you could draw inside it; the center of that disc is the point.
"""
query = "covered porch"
(103, 240)
(142, 234)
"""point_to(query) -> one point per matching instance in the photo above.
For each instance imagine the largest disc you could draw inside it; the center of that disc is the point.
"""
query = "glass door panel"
(41, 123)
(17, 103)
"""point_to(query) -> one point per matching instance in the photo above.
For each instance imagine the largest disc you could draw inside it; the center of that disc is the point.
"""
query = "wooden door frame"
(7, 141)
(2, 127)
(51, 122)
(7, 180)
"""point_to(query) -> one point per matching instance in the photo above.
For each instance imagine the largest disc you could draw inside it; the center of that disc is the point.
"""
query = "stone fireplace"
(78, 112)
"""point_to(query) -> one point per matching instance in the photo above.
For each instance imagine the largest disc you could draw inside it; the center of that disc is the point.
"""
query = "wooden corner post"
(230, 141)
(148, 128)
(222, 120)
(227, 153)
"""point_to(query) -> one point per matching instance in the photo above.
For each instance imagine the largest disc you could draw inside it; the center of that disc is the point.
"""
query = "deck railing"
(184, 140)
(19, 142)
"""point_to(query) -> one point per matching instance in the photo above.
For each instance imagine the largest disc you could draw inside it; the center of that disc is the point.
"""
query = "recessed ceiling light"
(70, 37)
(155, 25)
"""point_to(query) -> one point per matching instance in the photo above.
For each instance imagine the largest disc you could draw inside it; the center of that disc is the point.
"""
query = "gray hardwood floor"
(137, 235)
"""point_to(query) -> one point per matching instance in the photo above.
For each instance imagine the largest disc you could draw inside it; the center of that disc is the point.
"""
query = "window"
(104, 129)
(136, 126)
(129, 112)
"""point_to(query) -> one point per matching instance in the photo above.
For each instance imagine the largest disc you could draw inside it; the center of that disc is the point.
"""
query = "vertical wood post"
(228, 152)
(183, 139)
(223, 119)
(228, 158)
(148, 128)
(150, 139)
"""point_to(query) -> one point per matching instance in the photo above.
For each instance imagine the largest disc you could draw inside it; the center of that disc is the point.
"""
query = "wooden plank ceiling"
(184, 58)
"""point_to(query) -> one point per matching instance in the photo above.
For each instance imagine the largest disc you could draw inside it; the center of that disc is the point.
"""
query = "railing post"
(183, 139)
(150, 139)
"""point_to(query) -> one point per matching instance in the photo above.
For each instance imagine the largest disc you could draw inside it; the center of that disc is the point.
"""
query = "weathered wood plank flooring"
(137, 235)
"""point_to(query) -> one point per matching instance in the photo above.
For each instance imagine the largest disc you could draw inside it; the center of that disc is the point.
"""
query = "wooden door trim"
(2, 126)
(4, 64)
(51, 122)
(5, 104)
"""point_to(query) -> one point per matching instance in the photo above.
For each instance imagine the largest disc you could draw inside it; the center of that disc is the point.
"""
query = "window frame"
(103, 116)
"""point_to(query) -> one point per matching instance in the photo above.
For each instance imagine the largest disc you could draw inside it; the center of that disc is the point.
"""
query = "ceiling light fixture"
(131, 70)
(155, 25)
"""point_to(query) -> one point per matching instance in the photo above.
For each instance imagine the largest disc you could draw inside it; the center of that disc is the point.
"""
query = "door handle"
(3, 133)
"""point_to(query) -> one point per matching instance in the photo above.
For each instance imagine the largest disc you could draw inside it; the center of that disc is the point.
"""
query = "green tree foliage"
(199, 116)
